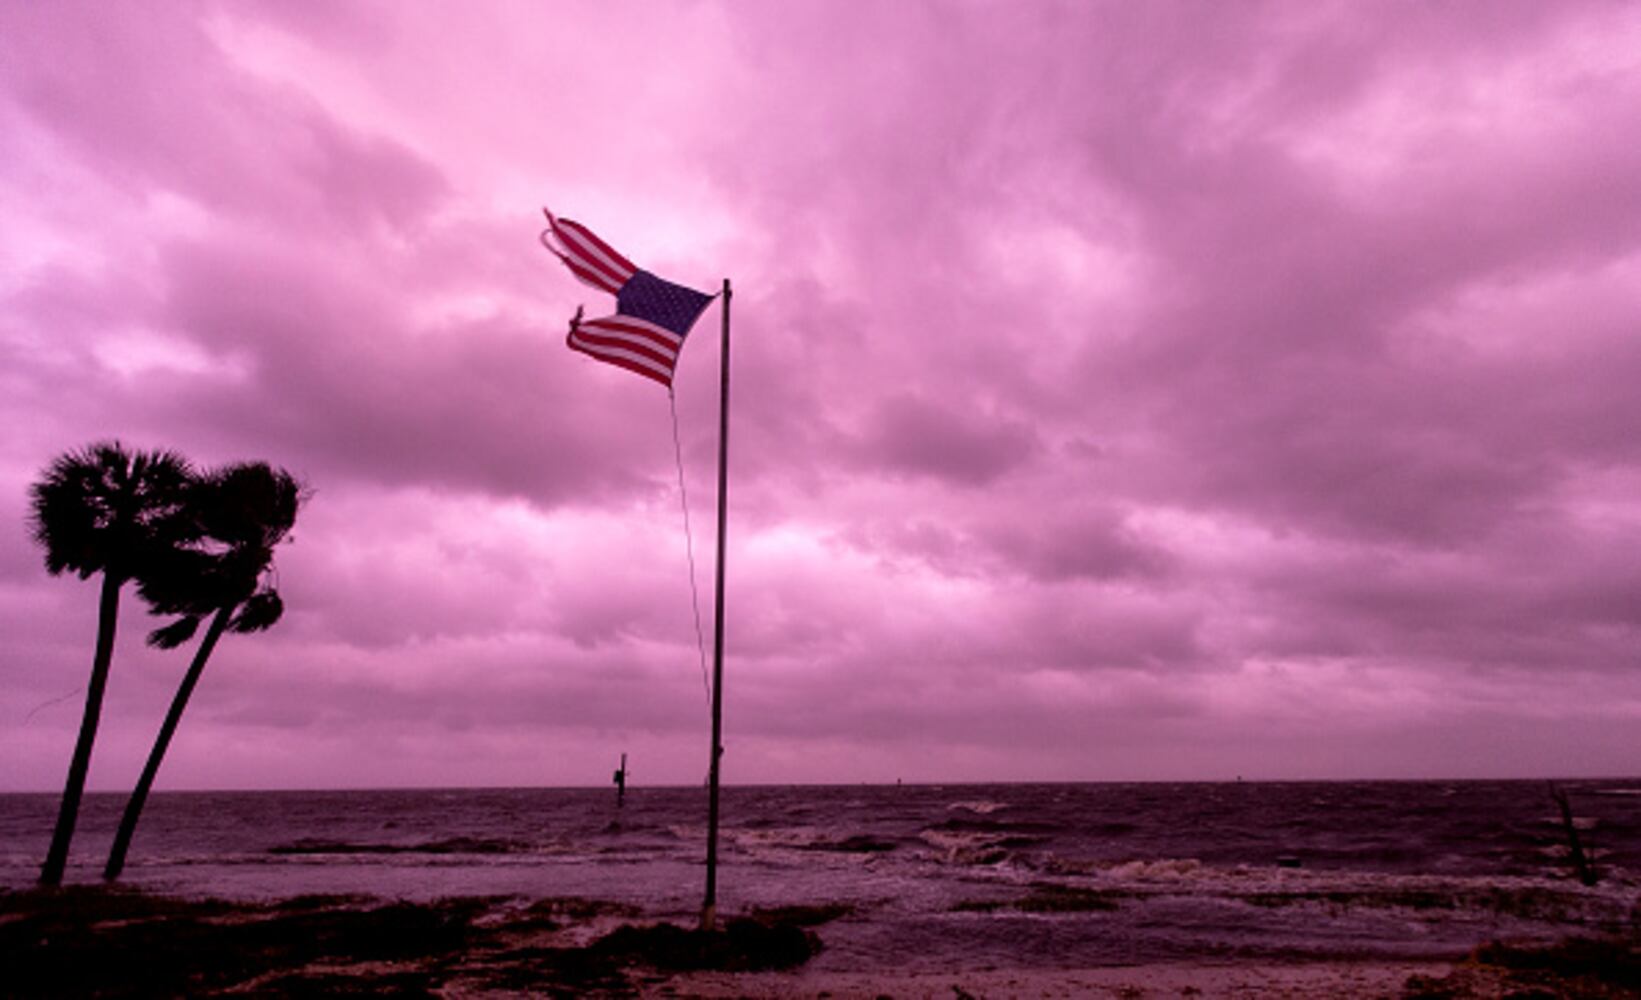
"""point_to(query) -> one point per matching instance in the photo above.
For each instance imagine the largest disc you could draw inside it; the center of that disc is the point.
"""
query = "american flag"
(652, 316)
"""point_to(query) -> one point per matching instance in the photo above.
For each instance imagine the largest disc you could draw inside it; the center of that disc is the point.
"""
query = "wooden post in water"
(709, 907)
(621, 781)
(1583, 867)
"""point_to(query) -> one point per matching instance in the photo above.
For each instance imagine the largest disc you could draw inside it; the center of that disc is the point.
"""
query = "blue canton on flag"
(661, 302)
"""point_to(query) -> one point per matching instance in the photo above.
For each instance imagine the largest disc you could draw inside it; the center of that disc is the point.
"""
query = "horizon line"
(663, 786)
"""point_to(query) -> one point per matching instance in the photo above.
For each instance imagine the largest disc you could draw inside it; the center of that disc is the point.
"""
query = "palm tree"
(243, 511)
(104, 510)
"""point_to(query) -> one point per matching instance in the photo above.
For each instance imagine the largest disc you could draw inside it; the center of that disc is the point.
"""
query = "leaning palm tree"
(243, 512)
(104, 510)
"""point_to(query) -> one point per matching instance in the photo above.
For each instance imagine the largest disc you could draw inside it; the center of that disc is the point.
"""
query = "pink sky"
(1124, 391)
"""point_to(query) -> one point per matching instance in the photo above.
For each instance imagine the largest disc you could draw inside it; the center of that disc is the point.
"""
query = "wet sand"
(1320, 979)
(1254, 980)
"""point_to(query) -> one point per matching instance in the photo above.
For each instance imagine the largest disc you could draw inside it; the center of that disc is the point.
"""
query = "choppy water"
(939, 877)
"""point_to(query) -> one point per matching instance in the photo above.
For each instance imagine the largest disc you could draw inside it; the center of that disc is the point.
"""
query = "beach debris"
(1047, 897)
(739, 945)
(1594, 967)
(83, 941)
(802, 914)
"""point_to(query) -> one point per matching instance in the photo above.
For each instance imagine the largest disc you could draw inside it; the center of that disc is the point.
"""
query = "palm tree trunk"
(108, 612)
(162, 742)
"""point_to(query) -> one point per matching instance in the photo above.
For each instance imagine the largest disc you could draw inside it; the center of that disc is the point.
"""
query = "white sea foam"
(1579, 822)
(1560, 897)
(964, 847)
(984, 807)
(794, 837)
(1161, 868)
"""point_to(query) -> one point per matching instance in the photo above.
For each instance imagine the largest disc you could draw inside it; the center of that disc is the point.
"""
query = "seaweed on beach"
(1047, 897)
(101, 942)
(1614, 961)
(97, 943)
(372, 982)
(553, 912)
(802, 914)
(544, 971)
(743, 945)
(394, 931)
(859, 843)
(581, 908)
(1597, 968)
(609, 964)
(319, 901)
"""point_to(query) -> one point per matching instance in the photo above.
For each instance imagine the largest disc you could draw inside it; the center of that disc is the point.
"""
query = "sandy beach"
(1319, 979)
(89, 941)
(1251, 980)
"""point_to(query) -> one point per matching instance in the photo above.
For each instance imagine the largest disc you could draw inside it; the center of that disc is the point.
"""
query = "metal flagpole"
(709, 908)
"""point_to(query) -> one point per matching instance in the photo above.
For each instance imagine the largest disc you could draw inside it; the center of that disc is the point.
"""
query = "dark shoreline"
(113, 942)
(97, 941)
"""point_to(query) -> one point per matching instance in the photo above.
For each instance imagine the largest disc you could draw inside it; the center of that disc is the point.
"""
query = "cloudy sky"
(1122, 391)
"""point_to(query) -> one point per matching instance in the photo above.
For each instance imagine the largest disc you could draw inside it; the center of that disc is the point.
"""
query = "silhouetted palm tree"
(104, 510)
(243, 512)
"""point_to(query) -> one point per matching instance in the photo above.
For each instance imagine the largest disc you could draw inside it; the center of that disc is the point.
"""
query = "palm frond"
(175, 634)
(182, 581)
(240, 513)
(252, 503)
(103, 508)
(259, 613)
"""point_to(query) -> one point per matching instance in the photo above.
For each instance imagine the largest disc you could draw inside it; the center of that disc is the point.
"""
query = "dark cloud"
(908, 435)
(1119, 390)
(1092, 544)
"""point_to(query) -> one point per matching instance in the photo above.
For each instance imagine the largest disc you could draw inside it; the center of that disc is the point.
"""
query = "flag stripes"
(631, 343)
(588, 257)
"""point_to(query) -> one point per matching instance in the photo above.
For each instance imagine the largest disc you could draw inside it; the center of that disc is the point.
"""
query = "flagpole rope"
(689, 546)
(52, 701)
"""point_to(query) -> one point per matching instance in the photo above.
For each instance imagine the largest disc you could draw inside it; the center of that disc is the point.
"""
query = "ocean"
(932, 877)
